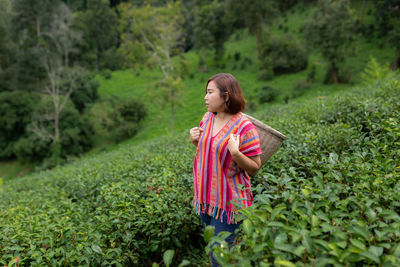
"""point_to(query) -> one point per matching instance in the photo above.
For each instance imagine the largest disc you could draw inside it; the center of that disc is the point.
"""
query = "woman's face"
(214, 102)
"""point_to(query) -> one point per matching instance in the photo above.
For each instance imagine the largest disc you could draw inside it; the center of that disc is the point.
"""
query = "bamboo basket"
(270, 139)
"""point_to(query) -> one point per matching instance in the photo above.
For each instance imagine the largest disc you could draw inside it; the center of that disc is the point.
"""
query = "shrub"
(330, 194)
(16, 109)
(111, 59)
(116, 119)
(122, 208)
(76, 135)
(300, 87)
(268, 93)
(106, 73)
(87, 94)
(284, 54)
(236, 56)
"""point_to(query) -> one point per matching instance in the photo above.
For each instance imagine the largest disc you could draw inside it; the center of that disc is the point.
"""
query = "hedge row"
(331, 195)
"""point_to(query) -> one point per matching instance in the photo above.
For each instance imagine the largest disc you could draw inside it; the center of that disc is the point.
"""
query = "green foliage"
(374, 72)
(283, 54)
(254, 14)
(16, 110)
(209, 29)
(330, 29)
(116, 119)
(76, 135)
(123, 208)
(330, 195)
(112, 59)
(98, 23)
(268, 93)
(87, 94)
(300, 87)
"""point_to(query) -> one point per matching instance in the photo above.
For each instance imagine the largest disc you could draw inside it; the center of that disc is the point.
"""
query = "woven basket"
(270, 139)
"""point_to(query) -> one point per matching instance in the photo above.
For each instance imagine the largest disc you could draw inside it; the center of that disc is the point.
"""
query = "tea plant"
(331, 194)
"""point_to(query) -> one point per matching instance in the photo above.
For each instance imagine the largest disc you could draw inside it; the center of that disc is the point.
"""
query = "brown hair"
(228, 85)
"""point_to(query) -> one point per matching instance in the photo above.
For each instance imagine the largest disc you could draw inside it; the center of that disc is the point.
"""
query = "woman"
(228, 150)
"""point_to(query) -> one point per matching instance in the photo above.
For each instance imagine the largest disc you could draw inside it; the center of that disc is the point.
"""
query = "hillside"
(140, 83)
(335, 175)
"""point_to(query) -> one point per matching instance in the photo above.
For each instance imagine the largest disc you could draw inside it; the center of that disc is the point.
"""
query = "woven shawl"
(216, 176)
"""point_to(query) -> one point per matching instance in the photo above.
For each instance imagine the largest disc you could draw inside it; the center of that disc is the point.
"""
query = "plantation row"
(330, 195)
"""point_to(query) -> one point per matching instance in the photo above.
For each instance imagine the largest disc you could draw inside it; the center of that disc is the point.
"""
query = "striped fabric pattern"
(216, 176)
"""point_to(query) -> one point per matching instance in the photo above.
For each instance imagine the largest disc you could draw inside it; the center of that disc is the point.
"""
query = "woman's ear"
(226, 97)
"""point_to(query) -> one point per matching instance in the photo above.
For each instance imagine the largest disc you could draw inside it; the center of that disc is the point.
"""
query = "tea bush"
(331, 194)
(121, 208)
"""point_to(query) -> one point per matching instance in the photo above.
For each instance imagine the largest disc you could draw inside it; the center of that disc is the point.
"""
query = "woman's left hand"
(233, 144)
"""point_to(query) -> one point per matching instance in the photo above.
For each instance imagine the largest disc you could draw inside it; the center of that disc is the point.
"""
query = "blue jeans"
(220, 227)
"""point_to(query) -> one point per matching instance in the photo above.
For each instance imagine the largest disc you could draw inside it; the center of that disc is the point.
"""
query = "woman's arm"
(249, 164)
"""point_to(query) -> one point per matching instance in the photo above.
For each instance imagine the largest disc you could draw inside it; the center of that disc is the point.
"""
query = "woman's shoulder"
(245, 123)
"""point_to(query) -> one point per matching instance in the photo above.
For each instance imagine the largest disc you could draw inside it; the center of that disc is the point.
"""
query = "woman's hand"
(249, 164)
(233, 144)
(195, 134)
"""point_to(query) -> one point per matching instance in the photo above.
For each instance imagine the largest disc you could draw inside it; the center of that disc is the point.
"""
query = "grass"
(13, 168)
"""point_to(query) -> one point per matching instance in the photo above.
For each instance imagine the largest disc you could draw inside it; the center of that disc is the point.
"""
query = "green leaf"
(284, 263)
(370, 256)
(208, 233)
(247, 226)
(168, 255)
(377, 251)
(97, 249)
(276, 211)
(184, 263)
(363, 232)
(358, 244)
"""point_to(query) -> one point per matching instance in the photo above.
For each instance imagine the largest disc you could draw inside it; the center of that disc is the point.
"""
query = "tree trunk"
(56, 142)
(258, 42)
(37, 27)
(334, 75)
(66, 59)
(171, 122)
(97, 61)
(362, 13)
(395, 63)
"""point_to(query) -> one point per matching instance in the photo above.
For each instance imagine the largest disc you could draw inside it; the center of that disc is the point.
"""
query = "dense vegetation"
(52, 50)
(79, 74)
(329, 196)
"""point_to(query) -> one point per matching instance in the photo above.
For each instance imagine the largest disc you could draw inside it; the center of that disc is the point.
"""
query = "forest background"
(79, 76)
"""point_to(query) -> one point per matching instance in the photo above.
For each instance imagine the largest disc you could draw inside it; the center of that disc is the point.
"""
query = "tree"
(62, 80)
(362, 13)
(159, 30)
(255, 13)
(99, 25)
(16, 108)
(388, 17)
(6, 46)
(210, 31)
(330, 29)
(29, 20)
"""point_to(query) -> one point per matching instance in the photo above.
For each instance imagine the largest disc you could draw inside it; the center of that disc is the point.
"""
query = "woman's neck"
(222, 116)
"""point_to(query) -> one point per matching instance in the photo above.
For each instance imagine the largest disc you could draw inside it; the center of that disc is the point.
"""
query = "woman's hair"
(228, 85)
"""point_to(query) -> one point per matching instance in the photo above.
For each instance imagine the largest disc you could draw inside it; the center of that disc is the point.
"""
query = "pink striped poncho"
(215, 175)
